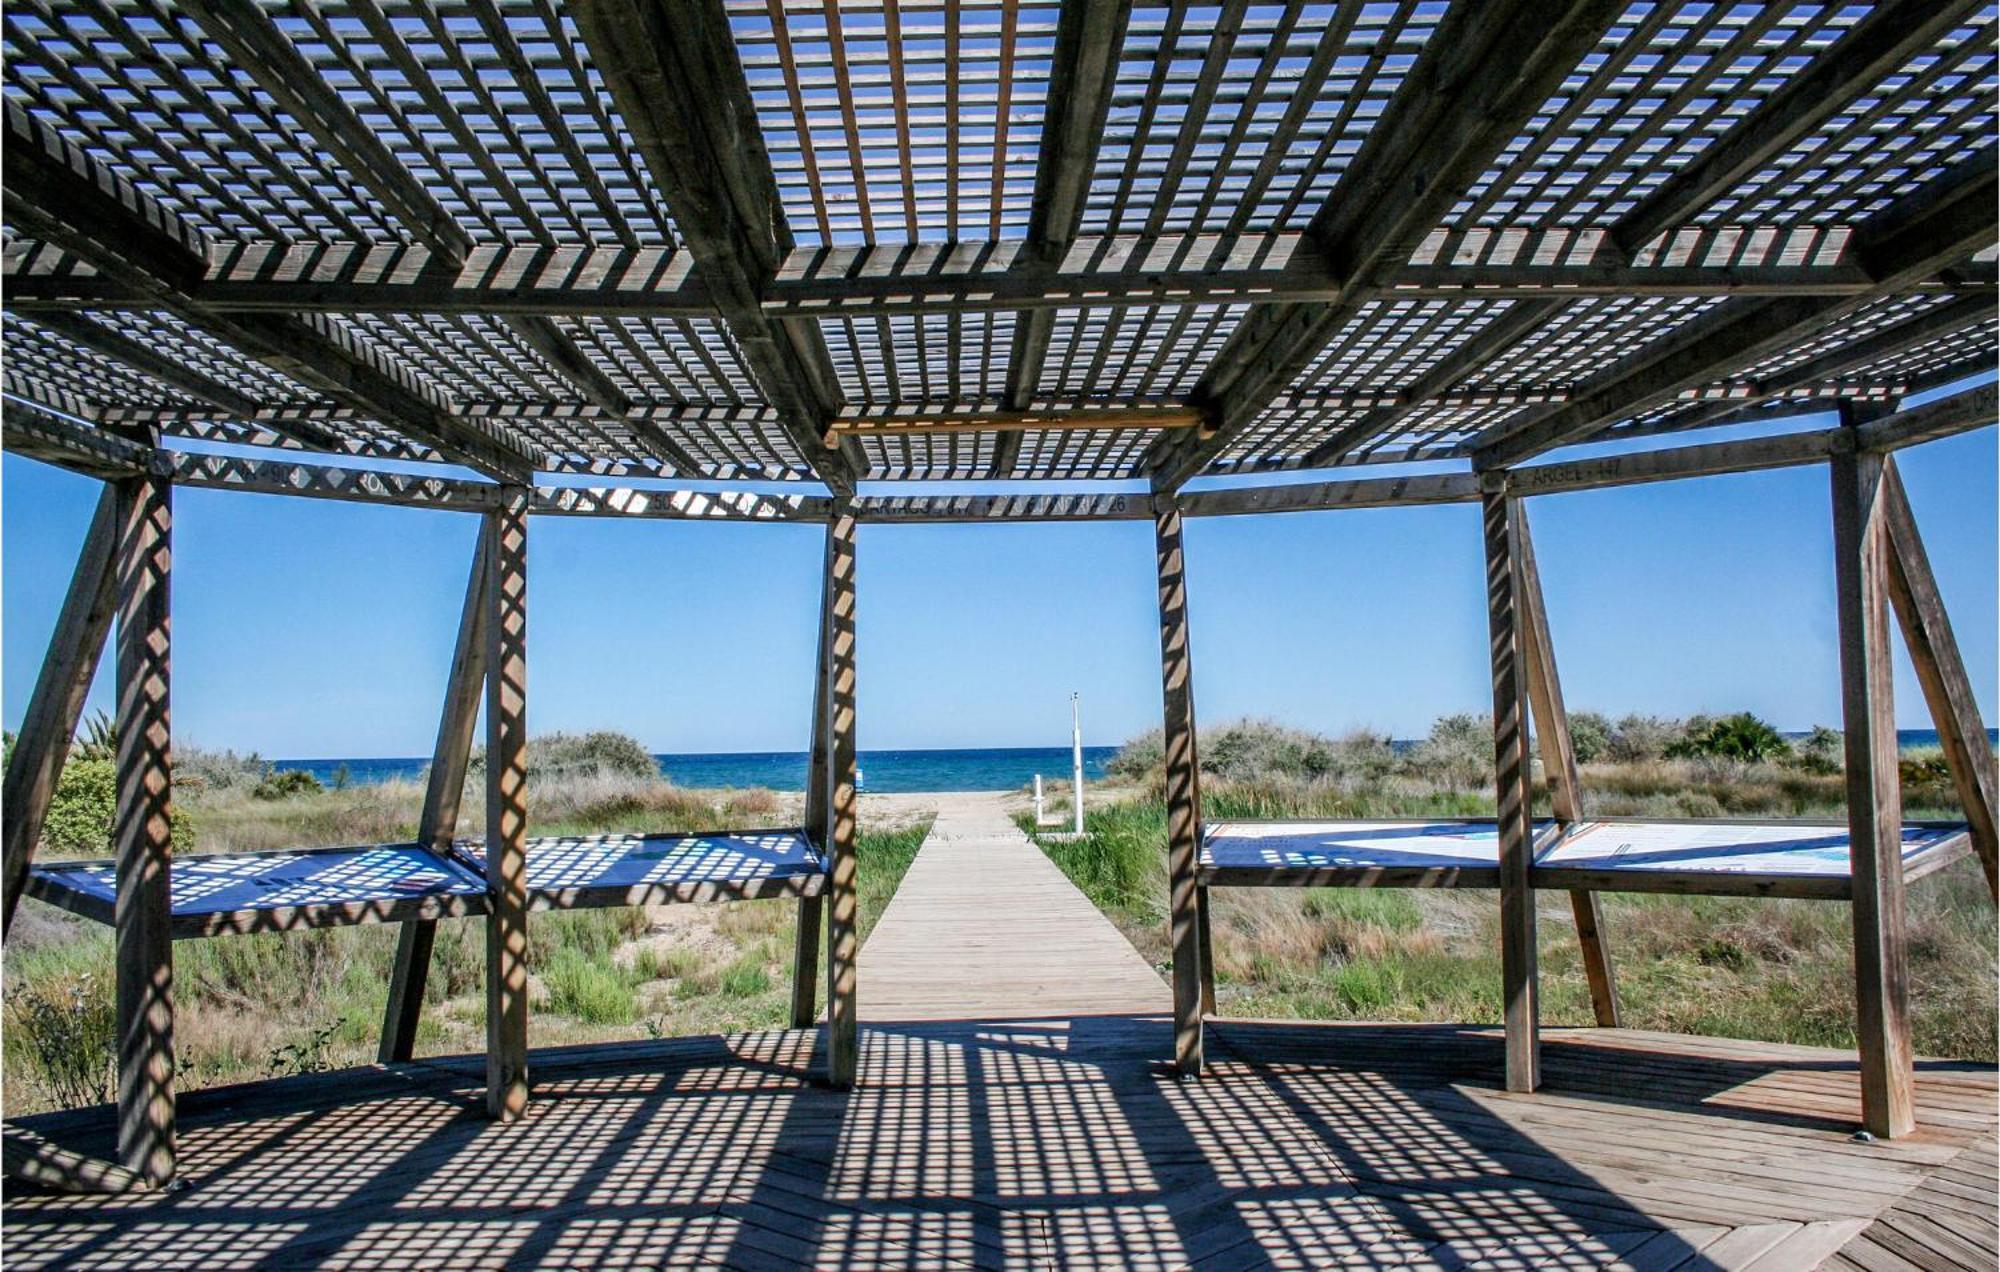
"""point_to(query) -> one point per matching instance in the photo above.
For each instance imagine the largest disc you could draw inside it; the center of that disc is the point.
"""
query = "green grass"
(1739, 967)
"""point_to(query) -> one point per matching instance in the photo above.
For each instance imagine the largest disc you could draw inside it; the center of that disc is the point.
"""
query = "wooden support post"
(843, 936)
(1559, 762)
(1874, 797)
(57, 702)
(442, 795)
(506, 544)
(1510, 763)
(1202, 901)
(819, 770)
(1934, 652)
(1183, 785)
(142, 836)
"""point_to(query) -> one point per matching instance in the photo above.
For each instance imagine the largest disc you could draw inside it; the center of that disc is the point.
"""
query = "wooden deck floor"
(1059, 1138)
(985, 927)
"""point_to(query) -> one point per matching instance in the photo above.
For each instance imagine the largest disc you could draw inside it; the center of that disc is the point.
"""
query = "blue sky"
(307, 628)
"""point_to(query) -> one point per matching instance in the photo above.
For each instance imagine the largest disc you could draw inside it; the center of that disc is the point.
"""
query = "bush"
(1589, 736)
(285, 785)
(568, 756)
(69, 1031)
(1737, 737)
(79, 817)
(1637, 738)
(207, 770)
(1822, 751)
(1458, 751)
(589, 990)
(1141, 759)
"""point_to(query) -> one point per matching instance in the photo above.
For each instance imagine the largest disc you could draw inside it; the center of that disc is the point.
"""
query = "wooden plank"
(1519, 978)
(1551, 719)
(505, 541)
(1874, 798)
(1960, 413)
(1207, 936)
(1366, 492)
(33, 1160)
(451, 755)
(843, 937)
(1183, 777)
(142, 833)
(1940, 670)
(56, 704)
(40, 434)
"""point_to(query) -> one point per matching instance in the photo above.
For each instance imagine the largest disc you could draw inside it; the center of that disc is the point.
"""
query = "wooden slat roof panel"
(1238, 117)
(668, 360)
(916, 121)
(955, 357)
(1149, 351)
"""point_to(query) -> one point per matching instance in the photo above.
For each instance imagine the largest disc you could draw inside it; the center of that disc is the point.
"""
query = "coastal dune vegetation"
(282, 1003)
(1739, 967)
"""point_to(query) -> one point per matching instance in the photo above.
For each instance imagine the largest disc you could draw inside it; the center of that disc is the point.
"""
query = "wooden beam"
(1943, 417)
(1083, 69)
(819, 799)
(1944, 221)
(1183, 771)
(843, 933)
(1520, 987)
(1880, 44)
(55, 706)
(1481, 77)
(885, 280)
(1874, 799)
(1551, 719)
(938, 509)
(675, 76)
(1365, 492)
(1204, 923)
(506, 552)
(1672, 464)
(451, 755)
(29, 430)
(35, 1161)
(142, 833)
(1940, 669)
(1013, 422)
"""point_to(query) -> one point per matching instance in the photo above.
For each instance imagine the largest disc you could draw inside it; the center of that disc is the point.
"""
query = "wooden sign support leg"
(1510, 762)
(1201, 910)
(1933, 650)
(805, 954)
(442, 795)
(142, 836)
(1559, 762)
(57, 702)
(1874, 796)
(843, 939)
(1183, 786)
(506, 805)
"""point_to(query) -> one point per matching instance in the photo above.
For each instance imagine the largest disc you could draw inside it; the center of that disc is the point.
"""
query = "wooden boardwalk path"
(986, 927)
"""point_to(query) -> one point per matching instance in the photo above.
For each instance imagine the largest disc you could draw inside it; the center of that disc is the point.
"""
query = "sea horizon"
(888, 772)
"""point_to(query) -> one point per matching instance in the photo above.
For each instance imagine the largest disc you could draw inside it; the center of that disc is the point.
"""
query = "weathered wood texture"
(141, 831)
(451, 756)
(819, 800)
(1520, 989)
(1053, 1142)
(506, 597)
(842, 915)
(985, 927)
(1941, 671)
(1874, 794)
(56, 705)
(1551, 719)
(1183, 775)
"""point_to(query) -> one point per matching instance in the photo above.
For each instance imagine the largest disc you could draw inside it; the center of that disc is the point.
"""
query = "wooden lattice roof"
(920, 239)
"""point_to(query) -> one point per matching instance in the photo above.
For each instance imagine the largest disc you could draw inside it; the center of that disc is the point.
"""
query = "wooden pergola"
(479, 255)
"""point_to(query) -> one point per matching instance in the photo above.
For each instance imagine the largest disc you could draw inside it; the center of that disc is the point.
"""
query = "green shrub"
(1589, 736)
(311, 1054)
(1735, 737)
(286, 784)
(68, 1028)
(1141, 758)
(1459, 750)
(590, 990)
(1637, 738)
(1823, 751)
(745, 978)
(79, 818)
(210, 771)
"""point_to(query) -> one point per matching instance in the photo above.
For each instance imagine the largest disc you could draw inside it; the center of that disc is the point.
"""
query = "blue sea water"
(883, 772)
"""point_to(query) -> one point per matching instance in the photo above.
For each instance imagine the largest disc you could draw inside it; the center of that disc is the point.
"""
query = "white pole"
(1038, 799)
(1076, 760)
